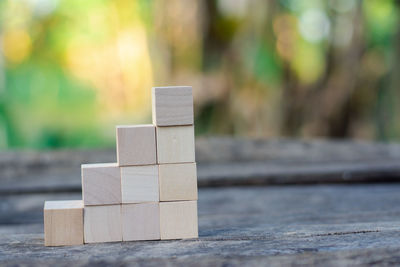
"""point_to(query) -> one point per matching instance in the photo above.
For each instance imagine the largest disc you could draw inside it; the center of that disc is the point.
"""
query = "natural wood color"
(136, 145)
(101, 184)
(102, 223)
(172, 105)
(178, 220)
(140, 221)
(175, 144)
(140, 184)
(178, 181)
(63, 223)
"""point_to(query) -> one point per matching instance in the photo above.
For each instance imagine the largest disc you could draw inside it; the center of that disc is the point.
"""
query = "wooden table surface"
(302, 203)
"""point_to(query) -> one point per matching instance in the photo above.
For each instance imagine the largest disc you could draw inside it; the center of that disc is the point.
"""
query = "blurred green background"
(70, 70)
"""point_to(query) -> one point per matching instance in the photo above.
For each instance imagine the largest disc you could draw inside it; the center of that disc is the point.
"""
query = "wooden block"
(140, 184)
(178, 220)
(177, 181)
(172, 105)
(63, 223)
(136, 145)
(140, 221)
(101, 184)
(175, 144)
(102, 223)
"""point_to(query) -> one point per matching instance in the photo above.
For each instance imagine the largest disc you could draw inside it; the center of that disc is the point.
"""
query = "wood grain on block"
(136, 145)
(140, 221)
(63, 223)
(175, 144)
(177, 181)
(178, 220)
(102, 223)
(172, 105)
(101, 184)
(140, 184)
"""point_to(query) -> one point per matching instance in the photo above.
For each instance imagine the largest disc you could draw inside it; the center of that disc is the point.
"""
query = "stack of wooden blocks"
(149, 194)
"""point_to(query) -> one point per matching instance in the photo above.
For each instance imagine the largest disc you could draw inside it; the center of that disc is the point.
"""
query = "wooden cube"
(177, 181)
(178, 220)
(102, 223)
(101, 184)
(63, 223)
(140, 184)
(172, 105)
(140, 221)
(136, 145)
(175, 144)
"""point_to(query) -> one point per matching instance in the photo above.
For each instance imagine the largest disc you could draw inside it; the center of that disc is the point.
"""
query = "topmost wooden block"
(172, 105)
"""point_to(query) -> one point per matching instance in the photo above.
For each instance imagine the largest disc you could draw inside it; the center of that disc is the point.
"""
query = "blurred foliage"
(71, 70)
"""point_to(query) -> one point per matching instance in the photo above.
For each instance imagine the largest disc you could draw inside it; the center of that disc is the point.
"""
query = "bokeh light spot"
(17, 45)
(314, 25)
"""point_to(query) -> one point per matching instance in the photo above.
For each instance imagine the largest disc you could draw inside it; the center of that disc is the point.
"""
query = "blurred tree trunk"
(389, 126)
(323, 109)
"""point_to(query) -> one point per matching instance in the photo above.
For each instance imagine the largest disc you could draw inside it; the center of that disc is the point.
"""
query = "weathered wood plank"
(270, 205)
(326, 225)
(278, 173)
(227, 174)
(222, 161)
(368, 257)
(321, 222)
(287, 150)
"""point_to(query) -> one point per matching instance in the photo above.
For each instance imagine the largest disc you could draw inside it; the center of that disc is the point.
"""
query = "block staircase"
(149, 194)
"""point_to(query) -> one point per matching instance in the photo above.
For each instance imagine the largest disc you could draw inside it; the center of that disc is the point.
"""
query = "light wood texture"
(178, 220)
(172, 105)
(63, 223)
(140, 221)
(136, 145)
(140, 184)
(175, 144)
(178, 181)
(102, 223)
(101, 184)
